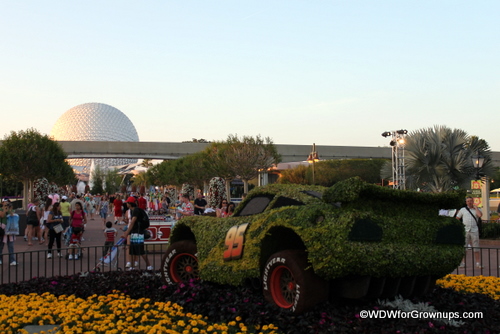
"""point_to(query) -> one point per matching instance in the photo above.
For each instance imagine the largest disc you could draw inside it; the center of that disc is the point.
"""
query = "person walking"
(78, 217)
(136, 234)
(469, 214)
(117, 204)
(55, 218)
(33, 221)
(91, 207)
(110, 234)
(78, 199)
(66, 213)
(103, 209)
(5, 211)
(44, 229)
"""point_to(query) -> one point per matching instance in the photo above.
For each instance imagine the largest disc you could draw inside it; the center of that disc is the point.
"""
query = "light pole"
(398, 157)
(313, 158)
(477, 162)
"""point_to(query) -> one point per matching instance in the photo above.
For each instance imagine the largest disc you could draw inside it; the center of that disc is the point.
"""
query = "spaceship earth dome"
(95, 122)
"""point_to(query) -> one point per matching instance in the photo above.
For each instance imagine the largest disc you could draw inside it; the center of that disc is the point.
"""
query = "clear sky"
(328, 72)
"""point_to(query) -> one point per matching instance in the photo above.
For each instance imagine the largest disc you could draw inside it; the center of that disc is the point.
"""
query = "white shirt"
(470, 223)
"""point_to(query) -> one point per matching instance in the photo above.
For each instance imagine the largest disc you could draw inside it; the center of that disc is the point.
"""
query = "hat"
(64, 197)
(131, 199)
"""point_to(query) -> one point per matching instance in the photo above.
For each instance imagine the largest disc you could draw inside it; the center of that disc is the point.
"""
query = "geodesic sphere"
(95, 122)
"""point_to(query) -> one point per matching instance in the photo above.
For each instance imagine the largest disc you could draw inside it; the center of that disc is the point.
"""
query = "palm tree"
(439, 159)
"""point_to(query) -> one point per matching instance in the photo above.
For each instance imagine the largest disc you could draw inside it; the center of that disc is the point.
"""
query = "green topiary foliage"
(376, 231)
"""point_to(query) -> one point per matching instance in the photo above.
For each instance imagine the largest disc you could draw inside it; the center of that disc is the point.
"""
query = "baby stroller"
(77, 254)
(74, 248)
(111, 258)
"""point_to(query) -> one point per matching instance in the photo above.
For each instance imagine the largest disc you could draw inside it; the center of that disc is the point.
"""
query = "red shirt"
(142, 203)
(118, 207)
(110, 234)
(78, 219)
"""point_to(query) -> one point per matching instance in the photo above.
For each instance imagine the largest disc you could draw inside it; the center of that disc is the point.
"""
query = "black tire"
(289, 282)
(179, 264)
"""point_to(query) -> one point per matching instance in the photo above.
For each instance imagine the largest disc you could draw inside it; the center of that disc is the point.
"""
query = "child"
(110, 233)
(74, 243)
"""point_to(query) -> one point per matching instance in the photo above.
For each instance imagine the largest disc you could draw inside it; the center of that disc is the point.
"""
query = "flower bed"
(137, 302)
(486, 285)
(112, 313)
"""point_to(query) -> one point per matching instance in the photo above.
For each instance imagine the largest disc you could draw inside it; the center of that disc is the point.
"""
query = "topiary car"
(305, 243)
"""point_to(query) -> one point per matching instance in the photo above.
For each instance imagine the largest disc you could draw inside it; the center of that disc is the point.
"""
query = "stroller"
(111, 258)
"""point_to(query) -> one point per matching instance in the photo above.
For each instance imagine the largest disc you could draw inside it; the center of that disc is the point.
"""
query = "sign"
(476, 192)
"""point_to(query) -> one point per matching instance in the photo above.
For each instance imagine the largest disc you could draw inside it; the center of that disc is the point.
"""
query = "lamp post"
(313, 158)
(477, 162)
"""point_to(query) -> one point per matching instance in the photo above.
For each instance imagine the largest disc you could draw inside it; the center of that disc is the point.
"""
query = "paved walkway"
(32, 260)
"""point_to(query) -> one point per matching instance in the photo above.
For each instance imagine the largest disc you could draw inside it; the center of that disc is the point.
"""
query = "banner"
(476, 193)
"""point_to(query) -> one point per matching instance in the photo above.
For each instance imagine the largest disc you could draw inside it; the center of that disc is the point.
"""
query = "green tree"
(439, 159)
(192, 169)
(29, 155)
(242, 157)
(112, 181)
(216, 162)
(97, 176)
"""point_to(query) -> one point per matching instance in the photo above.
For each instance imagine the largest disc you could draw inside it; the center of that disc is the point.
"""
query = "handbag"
(58, 228)
(147, 234)
(12, 227)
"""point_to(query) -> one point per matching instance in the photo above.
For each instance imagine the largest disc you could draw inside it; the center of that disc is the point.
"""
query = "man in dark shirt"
(199, 204)
(136, 234)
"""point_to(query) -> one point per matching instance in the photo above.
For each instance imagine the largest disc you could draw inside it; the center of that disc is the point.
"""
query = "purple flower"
(431, 325)
(163, 286)
(54, 283)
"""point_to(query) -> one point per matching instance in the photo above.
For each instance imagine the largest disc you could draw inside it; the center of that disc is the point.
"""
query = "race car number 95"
(234, 242)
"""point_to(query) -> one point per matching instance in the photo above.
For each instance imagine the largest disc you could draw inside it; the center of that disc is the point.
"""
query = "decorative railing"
(36, 264)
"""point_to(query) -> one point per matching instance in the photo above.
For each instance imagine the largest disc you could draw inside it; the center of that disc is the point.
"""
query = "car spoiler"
(355, 189)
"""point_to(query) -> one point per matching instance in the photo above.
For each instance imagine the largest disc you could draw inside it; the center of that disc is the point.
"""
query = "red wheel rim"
(184, 267)
(283, 287)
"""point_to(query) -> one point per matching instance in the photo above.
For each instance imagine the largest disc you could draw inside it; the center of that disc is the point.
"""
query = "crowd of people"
(62, 219)
(65, 218)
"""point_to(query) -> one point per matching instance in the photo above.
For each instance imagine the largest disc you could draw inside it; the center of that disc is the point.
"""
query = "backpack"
(145, 220)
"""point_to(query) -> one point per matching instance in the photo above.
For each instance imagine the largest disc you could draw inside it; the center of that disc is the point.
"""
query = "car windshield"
(285, 201)
(255, 205)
